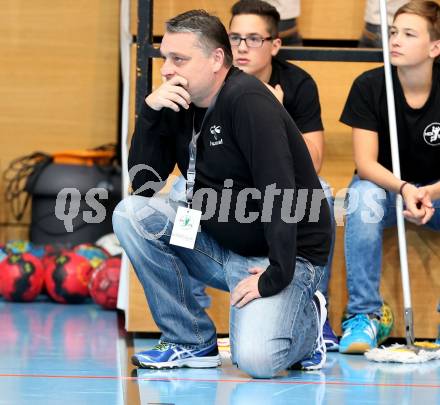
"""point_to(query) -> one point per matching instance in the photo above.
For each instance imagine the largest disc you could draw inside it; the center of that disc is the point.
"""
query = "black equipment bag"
(71, 203)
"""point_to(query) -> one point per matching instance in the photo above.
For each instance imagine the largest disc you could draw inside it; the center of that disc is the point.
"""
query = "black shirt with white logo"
(301, 98)
(418, 129)
(248, 146)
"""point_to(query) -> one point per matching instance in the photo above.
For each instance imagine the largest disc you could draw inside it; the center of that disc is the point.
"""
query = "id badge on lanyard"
(185, 228)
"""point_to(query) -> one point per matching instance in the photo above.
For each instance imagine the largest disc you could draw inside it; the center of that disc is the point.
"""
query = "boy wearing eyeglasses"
(253, 34)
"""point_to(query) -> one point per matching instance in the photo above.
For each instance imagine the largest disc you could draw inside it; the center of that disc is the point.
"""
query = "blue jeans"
(323, 285)
(370, 209)
(262, 349)
(177, 194)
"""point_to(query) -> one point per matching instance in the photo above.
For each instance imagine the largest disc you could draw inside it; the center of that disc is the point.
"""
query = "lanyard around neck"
(191, 172)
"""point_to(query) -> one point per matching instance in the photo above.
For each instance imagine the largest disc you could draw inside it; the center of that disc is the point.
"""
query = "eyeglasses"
(252, 41)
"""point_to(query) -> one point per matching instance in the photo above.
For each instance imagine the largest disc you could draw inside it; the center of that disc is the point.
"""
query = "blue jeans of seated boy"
(370, 209)
(327, 270)
(289, 328)
(177, 194)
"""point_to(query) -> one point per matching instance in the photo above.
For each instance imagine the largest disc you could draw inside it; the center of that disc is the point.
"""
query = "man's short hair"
(210, 31)
(266, 11)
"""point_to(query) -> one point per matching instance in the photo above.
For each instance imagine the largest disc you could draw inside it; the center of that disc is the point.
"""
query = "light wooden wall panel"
(337, 19)
(165, 9)
(424, 265)
(320, 19)
(59, 81)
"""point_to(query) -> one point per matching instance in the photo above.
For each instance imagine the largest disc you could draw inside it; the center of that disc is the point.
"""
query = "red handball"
(21, 277)
(104, 283)
(94, 254)
(67, 277)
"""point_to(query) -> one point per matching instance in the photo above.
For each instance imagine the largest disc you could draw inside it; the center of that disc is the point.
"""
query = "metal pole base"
(409, 326)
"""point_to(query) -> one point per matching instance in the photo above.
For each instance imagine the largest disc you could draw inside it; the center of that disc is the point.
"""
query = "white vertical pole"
(125, 48)
(396, 170)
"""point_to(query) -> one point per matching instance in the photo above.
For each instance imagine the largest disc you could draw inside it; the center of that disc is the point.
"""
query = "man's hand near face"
(170, 94)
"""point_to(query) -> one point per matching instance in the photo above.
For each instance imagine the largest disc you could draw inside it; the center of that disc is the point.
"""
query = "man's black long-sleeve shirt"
(248, 138)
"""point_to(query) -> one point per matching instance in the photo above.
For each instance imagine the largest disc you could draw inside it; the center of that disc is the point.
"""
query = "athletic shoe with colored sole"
(359, 334)
(170, 355)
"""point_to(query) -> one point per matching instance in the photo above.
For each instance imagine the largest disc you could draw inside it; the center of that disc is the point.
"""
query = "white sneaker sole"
(191, 362)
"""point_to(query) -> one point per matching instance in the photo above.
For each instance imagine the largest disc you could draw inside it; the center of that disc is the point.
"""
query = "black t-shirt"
(418, 129)
(249, 138)
(301, 99)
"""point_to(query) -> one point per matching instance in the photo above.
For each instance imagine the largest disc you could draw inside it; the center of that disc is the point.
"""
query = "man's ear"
(276, 45)
(218, 56)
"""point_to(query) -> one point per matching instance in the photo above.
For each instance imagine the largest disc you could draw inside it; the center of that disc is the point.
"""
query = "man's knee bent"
(258, 361)
(149, 217)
